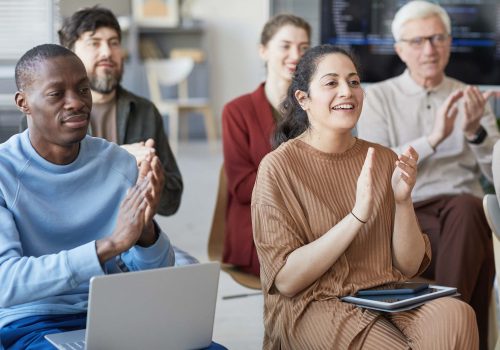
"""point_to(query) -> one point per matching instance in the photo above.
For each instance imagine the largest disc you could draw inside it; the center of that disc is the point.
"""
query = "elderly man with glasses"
(453, 129)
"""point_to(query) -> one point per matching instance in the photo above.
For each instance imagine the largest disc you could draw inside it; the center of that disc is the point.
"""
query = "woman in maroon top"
(247, 125)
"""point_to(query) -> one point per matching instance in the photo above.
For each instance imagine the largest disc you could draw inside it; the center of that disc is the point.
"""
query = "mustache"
(77, 114)
(107, 61)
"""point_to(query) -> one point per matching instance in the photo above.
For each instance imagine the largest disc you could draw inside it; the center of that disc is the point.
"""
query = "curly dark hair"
(295, 120)
(88, 19)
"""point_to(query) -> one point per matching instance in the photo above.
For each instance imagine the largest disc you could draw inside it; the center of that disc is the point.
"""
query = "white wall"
(234, 28)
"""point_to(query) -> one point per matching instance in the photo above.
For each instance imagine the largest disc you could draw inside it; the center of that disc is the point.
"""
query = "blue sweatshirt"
(50, 217)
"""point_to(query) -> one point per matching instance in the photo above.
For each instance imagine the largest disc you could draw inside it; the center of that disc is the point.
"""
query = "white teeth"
(344, 106)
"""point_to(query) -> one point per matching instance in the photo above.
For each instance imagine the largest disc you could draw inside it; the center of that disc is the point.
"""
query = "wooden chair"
(174, 72)
(216, 238)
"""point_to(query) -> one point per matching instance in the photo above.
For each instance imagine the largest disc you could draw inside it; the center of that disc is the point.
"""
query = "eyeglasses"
(436, 40)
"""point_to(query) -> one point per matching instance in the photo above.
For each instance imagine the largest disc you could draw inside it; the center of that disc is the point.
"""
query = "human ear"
(263, 52)
(302, 98)
(400, 51)
(21, 102)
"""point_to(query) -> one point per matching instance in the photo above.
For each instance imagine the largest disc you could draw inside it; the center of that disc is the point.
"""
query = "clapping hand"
(474, 106)
(151, 164)
(445, 119)
(129, 224)
(364, 189)
(405, 175)
(140, 150)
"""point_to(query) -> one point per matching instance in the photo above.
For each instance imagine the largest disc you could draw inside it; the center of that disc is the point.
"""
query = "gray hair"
(415, 10)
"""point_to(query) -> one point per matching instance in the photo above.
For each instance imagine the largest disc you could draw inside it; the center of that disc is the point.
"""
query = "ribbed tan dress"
(301, 193)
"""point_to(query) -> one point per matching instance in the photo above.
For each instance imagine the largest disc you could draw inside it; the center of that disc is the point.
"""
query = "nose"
(344, 89)
(74, 101)
(104, 50)
(428, 46)
(295, 53)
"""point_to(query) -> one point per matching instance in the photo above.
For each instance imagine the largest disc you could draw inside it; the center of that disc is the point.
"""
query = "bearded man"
(119, 116)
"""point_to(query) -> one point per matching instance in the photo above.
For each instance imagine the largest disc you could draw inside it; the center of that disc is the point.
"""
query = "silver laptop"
(166, 308)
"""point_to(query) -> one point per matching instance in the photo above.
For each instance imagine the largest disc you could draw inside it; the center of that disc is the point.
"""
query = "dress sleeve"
(426, 260)
(276, 234)
(240, 168)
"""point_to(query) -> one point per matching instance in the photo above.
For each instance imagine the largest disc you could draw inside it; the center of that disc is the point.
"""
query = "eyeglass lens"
(436, 40)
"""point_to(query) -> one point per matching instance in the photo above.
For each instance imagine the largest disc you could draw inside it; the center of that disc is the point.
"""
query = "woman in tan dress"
(332, 214)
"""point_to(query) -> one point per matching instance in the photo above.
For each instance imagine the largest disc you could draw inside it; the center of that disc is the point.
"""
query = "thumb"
(150, 143)
(411, 152)
(369, 159)
(489, 93)
(144, 168)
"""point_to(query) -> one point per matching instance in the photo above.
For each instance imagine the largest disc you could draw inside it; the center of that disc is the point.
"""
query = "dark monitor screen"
(364, 27)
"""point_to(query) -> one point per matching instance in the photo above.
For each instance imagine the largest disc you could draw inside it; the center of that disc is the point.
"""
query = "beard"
(106, 83)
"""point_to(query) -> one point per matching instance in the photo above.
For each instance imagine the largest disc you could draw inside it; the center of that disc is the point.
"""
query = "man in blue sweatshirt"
(71, 206)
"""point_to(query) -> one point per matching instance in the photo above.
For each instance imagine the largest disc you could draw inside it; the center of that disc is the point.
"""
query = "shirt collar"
(410, 86)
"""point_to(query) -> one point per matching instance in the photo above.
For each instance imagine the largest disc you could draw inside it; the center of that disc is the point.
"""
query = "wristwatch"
(479, 137)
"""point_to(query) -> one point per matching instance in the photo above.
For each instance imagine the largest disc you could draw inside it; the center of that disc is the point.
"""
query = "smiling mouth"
(344, 106)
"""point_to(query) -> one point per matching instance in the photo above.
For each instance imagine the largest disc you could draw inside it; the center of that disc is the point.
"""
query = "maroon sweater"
(247, 127)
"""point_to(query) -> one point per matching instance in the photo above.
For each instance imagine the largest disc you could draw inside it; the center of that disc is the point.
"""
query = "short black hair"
(28, 63)
(88, 19)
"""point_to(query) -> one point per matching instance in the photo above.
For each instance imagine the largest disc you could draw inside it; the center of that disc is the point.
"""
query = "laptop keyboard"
(77, 345)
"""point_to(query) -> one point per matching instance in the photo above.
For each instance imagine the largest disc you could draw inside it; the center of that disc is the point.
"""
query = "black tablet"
(395, 288)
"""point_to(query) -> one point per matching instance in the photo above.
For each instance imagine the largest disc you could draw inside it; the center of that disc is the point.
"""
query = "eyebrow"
(98, 38)
(59, 82)
(336, 75)
(289, 42)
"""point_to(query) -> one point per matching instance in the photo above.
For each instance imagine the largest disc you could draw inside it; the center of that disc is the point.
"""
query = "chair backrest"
(217, 231)
(168, 72)
(217, 237)
(492, 212)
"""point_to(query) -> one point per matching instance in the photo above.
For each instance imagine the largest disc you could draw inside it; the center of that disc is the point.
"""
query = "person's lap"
(28, 333)
(456, 227)
(443, 323)
(332, 324)
(382, 334)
